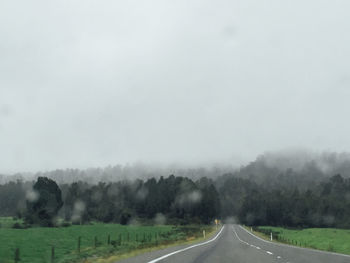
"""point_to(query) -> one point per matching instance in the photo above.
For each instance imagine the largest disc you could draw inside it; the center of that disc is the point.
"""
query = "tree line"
(326, 204)
(173, 199)
(259, 193)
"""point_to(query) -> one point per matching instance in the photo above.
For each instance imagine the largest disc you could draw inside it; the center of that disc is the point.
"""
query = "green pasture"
(328, 239)
(35, 244)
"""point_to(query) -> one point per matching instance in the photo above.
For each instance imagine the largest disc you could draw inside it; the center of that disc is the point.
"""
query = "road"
(235, 244)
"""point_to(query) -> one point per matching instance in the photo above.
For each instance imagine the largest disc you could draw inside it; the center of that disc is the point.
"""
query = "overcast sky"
(91, 83)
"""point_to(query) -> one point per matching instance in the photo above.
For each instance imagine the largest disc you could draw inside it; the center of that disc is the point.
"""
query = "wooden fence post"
(79, 239)
(52, 254)
(17, 258)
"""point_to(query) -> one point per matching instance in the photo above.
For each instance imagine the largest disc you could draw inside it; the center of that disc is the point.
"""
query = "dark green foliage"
(209, 207)
(124, 218)
(114, 243)
(13, 198)
(45, 207)
(180, 200)
(176, 199)
(326, 204)
(17, 226)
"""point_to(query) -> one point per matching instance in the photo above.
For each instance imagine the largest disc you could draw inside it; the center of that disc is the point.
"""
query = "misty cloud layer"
(92, 83)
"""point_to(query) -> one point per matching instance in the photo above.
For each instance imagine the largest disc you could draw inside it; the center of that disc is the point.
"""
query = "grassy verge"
(210, 231)
(257, 233)
(35, 244)
(327, 239)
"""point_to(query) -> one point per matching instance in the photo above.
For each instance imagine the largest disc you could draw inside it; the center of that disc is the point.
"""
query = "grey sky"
(91, 83)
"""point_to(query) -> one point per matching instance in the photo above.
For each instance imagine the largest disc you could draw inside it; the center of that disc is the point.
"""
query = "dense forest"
(172, 199)
(269, 191)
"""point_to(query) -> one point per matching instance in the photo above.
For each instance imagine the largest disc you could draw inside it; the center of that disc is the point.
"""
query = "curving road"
(235, 244)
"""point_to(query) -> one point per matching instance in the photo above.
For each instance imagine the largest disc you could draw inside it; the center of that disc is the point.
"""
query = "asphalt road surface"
(236, 245)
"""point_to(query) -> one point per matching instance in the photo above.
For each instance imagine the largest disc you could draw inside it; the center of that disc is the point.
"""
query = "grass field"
(35, 243)
(328, 239)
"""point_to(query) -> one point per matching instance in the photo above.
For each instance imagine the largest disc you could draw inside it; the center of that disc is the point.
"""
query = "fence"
(278, 236)
(87, 246)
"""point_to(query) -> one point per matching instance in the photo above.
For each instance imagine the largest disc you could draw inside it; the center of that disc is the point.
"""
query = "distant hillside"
(308, 167)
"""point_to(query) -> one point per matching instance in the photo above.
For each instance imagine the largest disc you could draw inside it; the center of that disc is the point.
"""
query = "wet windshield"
(174, 131)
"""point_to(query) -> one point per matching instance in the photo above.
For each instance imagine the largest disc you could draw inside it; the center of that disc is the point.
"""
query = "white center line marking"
(268, 252)
(238, 237)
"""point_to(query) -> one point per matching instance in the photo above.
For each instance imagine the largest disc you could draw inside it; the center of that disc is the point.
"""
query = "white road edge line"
(284, 245)
(187, 248)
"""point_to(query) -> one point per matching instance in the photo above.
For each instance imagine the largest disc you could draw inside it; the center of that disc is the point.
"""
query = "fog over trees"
(315, 166)
(296, 189)
(118, 173)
